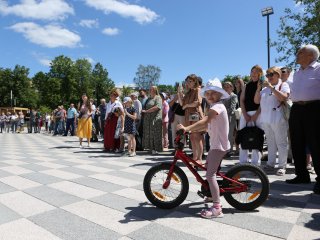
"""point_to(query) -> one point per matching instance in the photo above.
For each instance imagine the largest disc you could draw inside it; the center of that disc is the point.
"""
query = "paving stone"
(71, 227)
(52, 196)
(7, 215)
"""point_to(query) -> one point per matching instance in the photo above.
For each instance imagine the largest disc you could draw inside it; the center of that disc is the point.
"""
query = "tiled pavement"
(51, 189)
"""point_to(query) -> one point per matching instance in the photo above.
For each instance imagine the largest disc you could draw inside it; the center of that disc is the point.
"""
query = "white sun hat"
(127, 99)
(215, 85)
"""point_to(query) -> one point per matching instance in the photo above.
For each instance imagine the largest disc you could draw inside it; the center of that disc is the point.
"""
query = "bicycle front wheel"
(170, 197)
(257, 187)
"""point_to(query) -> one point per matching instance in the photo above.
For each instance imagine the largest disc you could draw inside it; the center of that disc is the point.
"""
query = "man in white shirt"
(305, 114)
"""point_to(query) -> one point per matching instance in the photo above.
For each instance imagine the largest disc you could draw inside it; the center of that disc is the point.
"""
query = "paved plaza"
(51, 189)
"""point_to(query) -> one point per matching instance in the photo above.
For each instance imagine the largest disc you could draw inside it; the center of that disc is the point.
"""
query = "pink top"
(165, 110)
(218, 128)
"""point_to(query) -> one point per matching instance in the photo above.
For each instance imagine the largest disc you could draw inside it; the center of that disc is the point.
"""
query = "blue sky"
(206, 37)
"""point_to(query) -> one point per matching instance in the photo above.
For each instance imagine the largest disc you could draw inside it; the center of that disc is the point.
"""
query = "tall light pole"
(267, 12)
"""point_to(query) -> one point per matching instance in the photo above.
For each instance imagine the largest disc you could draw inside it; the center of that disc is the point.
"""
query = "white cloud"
(138, 13)
(43, 9)
(111, 31)
(51, 36)
(90, 60)
(89, 23)
(45, 62)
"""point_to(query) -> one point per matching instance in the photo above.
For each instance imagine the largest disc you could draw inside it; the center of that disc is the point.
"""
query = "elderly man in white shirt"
(305, 114)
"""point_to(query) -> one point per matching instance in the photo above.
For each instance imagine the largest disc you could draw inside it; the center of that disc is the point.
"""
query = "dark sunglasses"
(269, 74)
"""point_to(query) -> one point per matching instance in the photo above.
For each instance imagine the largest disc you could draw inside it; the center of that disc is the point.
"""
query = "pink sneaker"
(213, 212)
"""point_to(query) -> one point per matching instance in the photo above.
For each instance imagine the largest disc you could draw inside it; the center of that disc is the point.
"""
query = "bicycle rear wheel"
(170, 197)
(257, 183)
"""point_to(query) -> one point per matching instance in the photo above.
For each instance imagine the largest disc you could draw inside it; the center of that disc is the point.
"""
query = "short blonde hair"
(274, 69)
(115, 92)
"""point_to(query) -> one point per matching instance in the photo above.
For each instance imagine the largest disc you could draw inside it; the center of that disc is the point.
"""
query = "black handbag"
(250, 138)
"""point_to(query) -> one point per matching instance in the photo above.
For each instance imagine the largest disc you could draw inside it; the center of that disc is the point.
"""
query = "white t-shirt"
(271, 110)
(218, 128)
(112, 106)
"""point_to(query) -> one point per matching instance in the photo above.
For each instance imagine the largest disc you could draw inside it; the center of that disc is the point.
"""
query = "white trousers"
(277, 140)
(177, 120)
(256, 154)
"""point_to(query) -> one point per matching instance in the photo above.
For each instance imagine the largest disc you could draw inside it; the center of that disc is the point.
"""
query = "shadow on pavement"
(146, 211)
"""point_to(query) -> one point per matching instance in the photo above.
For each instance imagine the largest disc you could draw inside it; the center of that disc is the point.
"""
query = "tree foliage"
(233, 78)
(65, 82)
(166, 88)
(297, 27)
(102, 83)
(147, 76)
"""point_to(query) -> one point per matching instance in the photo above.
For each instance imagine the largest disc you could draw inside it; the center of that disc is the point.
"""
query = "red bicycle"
(245, 187)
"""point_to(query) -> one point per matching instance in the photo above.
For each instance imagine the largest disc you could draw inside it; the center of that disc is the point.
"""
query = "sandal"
(213, 212)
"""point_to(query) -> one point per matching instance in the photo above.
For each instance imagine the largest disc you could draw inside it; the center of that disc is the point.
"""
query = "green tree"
(147, 76)
(166, 88)
(126, 91)
(62, 69)
(101, 82)
(48, 90)
(5, 86)
(82, 79)
(18, 83)
(23, 92)
(298, 28)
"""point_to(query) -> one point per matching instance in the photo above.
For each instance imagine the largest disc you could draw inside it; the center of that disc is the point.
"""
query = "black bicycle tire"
(263, 195)
(157, 202)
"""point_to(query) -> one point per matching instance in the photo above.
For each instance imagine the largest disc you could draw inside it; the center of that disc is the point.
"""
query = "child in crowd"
(130, 126)
(119, 128)
(217, 125)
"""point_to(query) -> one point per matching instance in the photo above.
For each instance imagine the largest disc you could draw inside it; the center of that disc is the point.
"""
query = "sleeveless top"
(250, 91)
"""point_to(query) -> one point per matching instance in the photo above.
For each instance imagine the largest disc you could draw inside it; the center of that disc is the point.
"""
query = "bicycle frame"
(237, 186)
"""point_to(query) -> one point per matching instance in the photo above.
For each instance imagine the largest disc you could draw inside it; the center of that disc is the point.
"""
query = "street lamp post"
(267, 12)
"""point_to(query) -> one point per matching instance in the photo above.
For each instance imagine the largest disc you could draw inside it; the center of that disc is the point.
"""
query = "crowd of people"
(213, 114)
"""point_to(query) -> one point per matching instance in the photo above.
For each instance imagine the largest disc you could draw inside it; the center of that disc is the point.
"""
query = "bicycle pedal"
(200, 194)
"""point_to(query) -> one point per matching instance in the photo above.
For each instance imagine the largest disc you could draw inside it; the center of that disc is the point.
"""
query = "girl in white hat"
(217, 124)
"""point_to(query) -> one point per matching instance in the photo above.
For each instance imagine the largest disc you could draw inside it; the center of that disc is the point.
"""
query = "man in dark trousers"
(304, 124)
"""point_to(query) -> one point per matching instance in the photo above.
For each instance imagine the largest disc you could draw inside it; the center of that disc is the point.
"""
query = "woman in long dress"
(84, 129)
(152, 122)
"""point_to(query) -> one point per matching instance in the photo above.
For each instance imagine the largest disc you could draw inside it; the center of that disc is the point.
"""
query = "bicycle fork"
(170, 175)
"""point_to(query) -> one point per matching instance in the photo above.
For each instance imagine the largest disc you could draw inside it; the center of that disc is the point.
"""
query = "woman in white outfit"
(250, 112)
(274, 92)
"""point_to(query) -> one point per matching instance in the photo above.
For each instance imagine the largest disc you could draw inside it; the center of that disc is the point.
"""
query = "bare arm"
(132, 116)
(173, 100)
(200, 125)
(242, 105)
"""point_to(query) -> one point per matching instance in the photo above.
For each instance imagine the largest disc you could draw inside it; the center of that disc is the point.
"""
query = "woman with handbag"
(152, 122)
(191, 103)
(250, 113)
(271, 99)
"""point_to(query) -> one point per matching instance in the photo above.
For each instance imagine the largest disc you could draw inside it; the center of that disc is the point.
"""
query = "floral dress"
(152, 125)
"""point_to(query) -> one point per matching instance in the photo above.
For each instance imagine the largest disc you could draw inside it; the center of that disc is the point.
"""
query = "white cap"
(127, 99)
